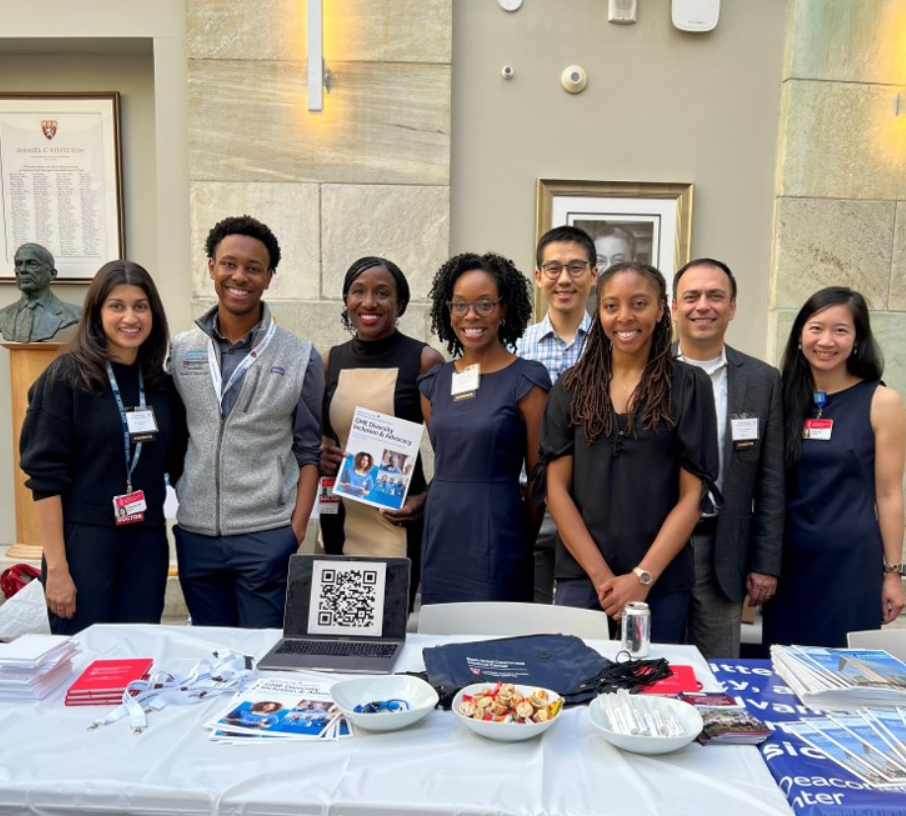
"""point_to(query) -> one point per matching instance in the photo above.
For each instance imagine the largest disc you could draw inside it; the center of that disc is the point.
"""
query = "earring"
(502, 322)
(800, 347)
(855, 350)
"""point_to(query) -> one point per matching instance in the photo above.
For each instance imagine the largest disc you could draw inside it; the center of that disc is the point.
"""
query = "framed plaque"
(61, 180)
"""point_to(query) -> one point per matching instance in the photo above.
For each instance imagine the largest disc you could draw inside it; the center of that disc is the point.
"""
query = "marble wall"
(370, 175)
(840, 191)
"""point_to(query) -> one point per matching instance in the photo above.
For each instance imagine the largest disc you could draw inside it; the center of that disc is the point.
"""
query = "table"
(50, 763)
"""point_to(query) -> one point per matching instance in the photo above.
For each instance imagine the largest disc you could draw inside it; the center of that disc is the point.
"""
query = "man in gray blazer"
(737, 553)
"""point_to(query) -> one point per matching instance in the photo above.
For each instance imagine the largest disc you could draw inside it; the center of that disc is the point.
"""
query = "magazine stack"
(841, 679)
(870, 743)
(726, 720)
(32, 666)
(280, 709)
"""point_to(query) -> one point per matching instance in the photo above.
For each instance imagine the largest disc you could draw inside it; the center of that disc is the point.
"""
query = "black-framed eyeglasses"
(482, 307)
(553, 269)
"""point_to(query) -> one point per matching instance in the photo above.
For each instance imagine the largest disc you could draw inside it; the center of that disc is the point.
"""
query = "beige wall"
(138, 49)
(661, 106)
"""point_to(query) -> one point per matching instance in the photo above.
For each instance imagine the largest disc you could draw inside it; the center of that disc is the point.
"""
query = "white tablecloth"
(50, 763)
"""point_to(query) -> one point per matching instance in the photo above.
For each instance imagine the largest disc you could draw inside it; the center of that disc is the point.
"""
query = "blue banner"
(813, 784)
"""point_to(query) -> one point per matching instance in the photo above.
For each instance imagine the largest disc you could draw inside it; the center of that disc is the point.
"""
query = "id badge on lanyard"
(129, 507)
(818, 428)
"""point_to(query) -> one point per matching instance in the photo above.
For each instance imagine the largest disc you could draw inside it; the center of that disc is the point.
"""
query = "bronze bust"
(39, 314)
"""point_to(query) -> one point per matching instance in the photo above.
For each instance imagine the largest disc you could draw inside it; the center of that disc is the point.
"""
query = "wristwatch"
(645, 577)
(899, 569)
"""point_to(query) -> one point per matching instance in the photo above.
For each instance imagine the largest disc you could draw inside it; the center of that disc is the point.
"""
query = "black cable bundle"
(631, 675)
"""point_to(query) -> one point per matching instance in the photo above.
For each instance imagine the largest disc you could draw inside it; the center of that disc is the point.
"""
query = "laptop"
(344, 613)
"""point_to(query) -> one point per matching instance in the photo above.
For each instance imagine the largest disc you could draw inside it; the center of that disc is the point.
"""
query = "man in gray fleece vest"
(252, 393)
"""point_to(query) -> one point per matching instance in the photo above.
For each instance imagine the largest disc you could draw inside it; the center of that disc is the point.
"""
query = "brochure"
(380, 456)
(726, 721)
(828, 679)
(280, 708)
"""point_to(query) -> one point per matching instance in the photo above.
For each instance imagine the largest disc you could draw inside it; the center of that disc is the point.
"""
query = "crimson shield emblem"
(49, 128)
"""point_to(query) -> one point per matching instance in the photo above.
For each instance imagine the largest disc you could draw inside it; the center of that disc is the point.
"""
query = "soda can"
(637, 628)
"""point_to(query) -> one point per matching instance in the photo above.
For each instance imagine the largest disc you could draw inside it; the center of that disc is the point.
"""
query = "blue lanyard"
(820, 400)
(130, 468)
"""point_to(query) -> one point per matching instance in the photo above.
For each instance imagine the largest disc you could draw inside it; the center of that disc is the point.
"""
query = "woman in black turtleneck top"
(100, 509)
(377, 370)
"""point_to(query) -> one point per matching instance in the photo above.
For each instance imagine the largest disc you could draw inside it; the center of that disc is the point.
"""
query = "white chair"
(491, 618)
(892, 640)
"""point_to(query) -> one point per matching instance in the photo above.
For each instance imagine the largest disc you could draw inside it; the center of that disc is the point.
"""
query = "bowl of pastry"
(507, 712)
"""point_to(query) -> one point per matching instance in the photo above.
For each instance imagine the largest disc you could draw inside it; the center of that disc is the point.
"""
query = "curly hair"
(590, 379)
(512, 288)
(88, 347)
(244, 225)
(370, 262)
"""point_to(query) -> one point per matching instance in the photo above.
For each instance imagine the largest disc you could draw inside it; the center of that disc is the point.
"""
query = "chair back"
(511, 619)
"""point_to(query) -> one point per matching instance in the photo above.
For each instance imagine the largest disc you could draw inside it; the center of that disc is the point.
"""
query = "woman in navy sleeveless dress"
(845, 448)
(479, 527)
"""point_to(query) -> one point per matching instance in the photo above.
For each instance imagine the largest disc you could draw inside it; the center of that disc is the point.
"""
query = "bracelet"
(899, 569)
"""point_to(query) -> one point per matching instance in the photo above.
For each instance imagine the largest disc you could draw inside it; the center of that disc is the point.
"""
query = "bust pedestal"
(27, 362)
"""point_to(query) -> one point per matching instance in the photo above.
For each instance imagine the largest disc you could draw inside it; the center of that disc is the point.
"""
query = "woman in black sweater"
(104, 428)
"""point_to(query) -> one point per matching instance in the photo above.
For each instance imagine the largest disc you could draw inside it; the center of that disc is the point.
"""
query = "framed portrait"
(647, 222)
(61, 180)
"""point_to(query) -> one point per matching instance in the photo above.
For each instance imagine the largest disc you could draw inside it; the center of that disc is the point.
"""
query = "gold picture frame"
(655, 217)
(61, 180)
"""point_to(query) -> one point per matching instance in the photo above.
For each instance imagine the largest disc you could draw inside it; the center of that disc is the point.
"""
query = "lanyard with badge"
(244, 365)
(139, 426)
(464, 384)
(818, 428)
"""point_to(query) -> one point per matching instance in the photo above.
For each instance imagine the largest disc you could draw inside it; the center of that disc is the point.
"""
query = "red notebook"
(682, 679)
(105, 680)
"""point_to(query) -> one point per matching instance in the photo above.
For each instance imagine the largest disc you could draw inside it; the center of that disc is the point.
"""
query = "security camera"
(507, 72)
(574, 79)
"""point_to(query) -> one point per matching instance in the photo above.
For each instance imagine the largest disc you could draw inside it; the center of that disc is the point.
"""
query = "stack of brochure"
(833, 679)
(871, 743)
(34, 665)
(280, 709)
(726, 720)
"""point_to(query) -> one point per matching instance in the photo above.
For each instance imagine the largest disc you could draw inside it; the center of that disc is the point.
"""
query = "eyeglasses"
(482, 307)
(553, 270)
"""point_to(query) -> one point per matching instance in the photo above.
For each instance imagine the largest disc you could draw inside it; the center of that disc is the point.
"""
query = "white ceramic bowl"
(506, 732)
(689, 718)
(347, 694)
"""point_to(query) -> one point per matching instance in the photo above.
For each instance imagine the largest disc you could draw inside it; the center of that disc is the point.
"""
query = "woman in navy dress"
(845, 443)
(630, 445)
(484, 415)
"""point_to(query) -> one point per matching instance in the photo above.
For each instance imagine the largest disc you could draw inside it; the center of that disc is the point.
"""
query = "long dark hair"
(590, 378)
(88, 348)
(866, 362)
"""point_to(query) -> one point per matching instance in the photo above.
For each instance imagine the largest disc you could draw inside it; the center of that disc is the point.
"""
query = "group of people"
(681, 473)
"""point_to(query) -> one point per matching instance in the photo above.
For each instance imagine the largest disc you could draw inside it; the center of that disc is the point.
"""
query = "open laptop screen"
(347, 596)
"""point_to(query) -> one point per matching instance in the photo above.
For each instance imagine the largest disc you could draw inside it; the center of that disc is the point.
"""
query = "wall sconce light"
(315, 56)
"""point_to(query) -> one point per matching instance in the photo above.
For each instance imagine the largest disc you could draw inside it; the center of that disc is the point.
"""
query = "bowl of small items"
(384, 703)
(506, 712)
(645, 724)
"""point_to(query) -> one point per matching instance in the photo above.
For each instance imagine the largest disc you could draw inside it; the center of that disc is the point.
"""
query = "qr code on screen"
(348, 598)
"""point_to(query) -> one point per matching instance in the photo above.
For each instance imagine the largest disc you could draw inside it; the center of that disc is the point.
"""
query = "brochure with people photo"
(273, 708)
(380, 456)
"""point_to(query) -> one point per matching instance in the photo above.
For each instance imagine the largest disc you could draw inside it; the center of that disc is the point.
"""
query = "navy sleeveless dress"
(832, 573)
(476, 546)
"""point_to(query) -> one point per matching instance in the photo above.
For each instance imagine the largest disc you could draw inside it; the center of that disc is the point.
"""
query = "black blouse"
(625, 486)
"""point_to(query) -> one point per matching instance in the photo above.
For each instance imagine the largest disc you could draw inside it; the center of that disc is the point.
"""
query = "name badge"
(130, 507)
(142, 424)
(328, 503)
(465, 383)
(743, 431)
(817, 429)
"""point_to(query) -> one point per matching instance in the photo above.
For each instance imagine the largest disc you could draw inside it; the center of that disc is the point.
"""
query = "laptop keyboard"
(353, 649)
